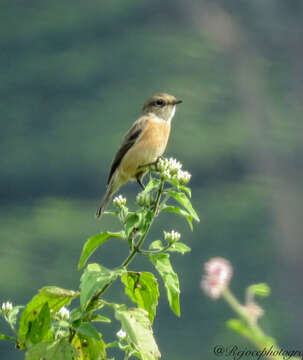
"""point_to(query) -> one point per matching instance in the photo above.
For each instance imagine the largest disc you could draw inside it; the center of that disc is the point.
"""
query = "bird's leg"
(140, 183)
(139, 178)
(154, 163)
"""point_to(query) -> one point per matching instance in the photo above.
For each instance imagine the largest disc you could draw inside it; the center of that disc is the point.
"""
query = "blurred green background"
(74, 76)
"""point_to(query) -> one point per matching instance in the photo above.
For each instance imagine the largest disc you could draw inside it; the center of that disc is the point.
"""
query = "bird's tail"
(104, 201)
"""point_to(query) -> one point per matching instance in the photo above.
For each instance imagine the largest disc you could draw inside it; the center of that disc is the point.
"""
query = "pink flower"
(218, 272)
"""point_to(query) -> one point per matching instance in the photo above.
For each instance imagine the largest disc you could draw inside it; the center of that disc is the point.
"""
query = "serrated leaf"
(177, 210)
(136, 323)
(179, 247)
(40, 329)
(170, 279)
(185, 202)
(142, 288)
(88, 330)
(94, 242)
(152, 184)
(89, 348)
(94, 278)
(131, 222)
(59, 350)
(54, 296)
(262, 290)
(7, 337)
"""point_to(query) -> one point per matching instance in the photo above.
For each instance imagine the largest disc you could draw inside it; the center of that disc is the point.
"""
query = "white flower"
(119, 201)
(7, 306)
(121, 334)
(218, 272)
(162, 164)
(64, 313)
(172, 236)
(183, 176)
(166, 174)
(174, 165)
(171, 169)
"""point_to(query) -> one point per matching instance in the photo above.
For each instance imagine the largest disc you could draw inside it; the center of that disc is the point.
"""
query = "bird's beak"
(177, 102)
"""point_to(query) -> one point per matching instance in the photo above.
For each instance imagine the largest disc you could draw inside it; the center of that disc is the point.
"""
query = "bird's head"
(162, 105)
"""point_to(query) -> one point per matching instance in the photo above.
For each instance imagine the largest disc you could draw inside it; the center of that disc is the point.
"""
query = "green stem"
(259, 339)
(136, 248)
(146, 252)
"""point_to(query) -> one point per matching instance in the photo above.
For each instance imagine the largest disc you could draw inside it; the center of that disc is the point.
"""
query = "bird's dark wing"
(129, 140)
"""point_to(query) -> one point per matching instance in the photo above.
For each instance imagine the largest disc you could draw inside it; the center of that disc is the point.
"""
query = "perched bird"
(142, 145)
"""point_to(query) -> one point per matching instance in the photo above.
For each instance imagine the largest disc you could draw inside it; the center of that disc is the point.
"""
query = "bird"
(144, 143)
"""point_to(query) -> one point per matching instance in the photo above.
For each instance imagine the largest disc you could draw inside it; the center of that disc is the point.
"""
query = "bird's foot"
(154, 163)
(140, 183)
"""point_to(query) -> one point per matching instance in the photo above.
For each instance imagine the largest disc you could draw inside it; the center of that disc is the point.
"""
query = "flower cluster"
(172, 236)
(218, 272)
(119, 201)
(64, 313)
(121, 334)
(7, 306)
(171, 169)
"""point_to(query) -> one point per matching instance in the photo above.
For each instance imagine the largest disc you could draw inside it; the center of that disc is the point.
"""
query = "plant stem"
(259, 339)
(136, 248)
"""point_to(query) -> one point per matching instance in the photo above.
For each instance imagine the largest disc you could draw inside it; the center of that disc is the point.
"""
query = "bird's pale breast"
(150, 145)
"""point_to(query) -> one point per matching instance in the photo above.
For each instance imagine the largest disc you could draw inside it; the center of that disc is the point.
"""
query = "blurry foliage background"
(74, 76)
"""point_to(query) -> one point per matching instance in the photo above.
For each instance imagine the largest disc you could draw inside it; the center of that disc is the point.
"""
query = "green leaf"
(179, 247)
(142, 288)
(176, 183)
(156, 245)
(89, 348)
(54, 296)
(55, 350)
(170, 279)
(100, 318)
(7, 337)
(241, 328)
(185, 202)
(177, 210)
(152, 184)
(88, 330)
(94, 242)
(94, 278)
(132, 221)
(186, 189)
(135, 322)
(40, 329)
(262, 290)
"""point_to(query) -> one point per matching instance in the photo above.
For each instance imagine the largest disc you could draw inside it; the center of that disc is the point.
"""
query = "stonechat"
(142, 145)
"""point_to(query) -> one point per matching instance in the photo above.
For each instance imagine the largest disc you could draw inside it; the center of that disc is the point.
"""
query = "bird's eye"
(159, 102)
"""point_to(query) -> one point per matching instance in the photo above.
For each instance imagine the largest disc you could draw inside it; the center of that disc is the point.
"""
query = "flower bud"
(7, 306)
(119, 201)
(172, 236)
(64, 313)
